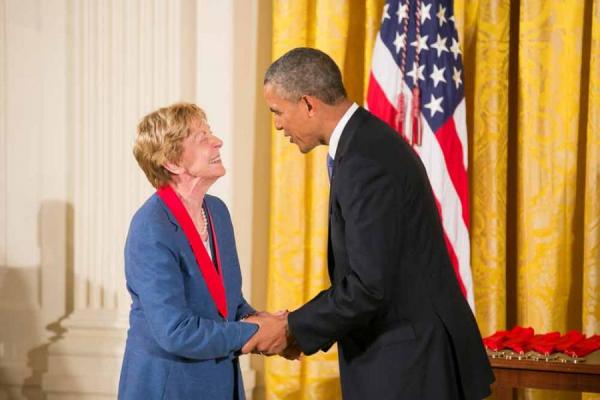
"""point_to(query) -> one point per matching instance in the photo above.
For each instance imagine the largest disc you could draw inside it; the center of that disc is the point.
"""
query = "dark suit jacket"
(403, 327)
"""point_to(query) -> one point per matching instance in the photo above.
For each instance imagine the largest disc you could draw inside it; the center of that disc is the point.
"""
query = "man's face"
(295, 118)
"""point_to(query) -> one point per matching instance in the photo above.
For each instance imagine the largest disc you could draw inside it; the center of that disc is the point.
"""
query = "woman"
(182, 269)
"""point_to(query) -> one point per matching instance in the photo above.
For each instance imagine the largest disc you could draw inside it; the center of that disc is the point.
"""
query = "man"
(403, 327)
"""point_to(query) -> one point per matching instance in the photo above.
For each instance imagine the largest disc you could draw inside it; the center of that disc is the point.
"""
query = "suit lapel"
(347, 134)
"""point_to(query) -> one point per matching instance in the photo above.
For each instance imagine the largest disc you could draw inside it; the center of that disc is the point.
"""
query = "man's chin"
(305, 149)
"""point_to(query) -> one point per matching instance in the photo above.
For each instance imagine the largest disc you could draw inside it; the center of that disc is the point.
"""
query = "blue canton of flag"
(439, 70)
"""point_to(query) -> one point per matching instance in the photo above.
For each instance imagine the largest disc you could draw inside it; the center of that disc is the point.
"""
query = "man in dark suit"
(403, 327)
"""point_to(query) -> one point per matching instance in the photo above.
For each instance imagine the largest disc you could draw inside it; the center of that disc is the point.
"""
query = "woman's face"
(201, 156)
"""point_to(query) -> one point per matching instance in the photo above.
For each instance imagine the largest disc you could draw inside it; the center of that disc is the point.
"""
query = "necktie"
(329, 166)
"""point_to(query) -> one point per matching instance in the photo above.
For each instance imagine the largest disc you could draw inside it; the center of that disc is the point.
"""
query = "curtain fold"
(532, 86)
(485, 40)
(591, 221)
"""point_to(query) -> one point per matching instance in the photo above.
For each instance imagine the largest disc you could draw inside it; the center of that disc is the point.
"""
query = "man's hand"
(292, 352)
(271, 337)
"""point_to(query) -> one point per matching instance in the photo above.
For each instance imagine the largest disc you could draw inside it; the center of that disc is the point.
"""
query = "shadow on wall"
(18, 330)
(33, 302)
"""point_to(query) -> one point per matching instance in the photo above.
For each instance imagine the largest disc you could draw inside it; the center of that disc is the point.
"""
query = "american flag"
(416, 87)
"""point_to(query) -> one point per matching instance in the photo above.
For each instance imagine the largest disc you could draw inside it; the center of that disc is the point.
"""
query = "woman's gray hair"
(306, 71)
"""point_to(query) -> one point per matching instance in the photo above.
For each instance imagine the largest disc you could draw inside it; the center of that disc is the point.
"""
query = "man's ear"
(310, 102)
(173, 168)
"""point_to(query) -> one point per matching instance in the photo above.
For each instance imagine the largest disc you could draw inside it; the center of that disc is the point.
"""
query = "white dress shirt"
(339, 128)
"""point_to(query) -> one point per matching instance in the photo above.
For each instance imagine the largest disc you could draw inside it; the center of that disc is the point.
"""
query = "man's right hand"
(271, 337)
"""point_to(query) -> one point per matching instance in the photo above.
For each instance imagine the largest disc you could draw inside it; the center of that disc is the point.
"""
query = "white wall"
(34, 181)
(75, 77)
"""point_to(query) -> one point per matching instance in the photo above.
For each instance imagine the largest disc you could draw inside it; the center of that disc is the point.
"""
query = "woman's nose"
(217, 141)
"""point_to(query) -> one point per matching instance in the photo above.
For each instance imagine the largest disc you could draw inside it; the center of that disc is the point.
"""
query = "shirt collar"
(339, 128)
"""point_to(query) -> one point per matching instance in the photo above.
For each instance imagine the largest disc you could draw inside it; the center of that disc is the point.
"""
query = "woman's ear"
(173, 168)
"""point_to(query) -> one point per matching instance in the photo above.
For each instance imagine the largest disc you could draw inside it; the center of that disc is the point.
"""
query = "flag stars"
(424, 12)
(417, 73)
(399, 42)
(455, 48)
(440, 45)
(435, 105)
(441, 14)
(456, 77)
(421, 43)
(402, 12)
(437, 75)
(386, 14)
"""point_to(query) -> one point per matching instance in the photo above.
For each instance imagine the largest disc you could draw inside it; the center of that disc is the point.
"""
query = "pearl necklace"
(204, 223)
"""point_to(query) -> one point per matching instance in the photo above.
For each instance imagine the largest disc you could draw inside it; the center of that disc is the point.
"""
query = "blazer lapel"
(212, 276)
(170, 216)
(219, 223)
(188, 252)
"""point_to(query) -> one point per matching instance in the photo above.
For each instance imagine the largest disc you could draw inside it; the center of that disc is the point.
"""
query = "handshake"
(272, 337)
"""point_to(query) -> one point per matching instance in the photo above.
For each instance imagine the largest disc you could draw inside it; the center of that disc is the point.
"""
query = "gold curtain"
(532, 84)
(532, 75)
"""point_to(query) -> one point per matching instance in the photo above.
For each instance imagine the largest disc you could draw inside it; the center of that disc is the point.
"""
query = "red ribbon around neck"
(212, 276)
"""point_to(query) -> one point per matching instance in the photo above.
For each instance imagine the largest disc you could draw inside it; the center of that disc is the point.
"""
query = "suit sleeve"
(368, 202)
(154, 275)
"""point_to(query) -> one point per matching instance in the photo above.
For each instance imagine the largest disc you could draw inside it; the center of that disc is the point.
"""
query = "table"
(512, 374)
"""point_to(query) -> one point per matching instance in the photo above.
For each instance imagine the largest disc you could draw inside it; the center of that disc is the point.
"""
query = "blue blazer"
(178, 346)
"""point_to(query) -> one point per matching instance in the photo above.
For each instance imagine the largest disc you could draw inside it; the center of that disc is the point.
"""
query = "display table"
(512, 374)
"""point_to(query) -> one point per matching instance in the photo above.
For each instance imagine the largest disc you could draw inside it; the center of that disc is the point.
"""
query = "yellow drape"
(532, 84)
